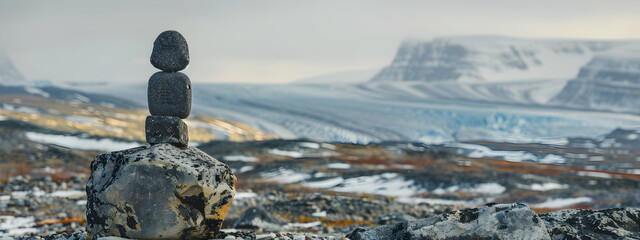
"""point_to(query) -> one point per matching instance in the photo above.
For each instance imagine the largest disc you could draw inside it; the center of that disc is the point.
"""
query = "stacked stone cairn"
(169, 91)
(166, 190)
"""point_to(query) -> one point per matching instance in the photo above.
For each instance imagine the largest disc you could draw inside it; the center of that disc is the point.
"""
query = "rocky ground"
(300, 189)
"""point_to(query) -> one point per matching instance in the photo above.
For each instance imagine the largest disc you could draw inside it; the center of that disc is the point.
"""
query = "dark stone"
(170, 52)
(166, 129)
(169, 94)
(468, 215)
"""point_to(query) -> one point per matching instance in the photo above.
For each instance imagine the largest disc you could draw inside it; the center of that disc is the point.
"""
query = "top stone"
(170, 52)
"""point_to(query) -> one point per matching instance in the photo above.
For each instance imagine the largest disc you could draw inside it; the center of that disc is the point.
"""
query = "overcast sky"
(273, 41)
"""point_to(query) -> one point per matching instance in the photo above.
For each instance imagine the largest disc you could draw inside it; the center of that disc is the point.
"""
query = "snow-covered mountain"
(8, 72)
(491, 58)
(610, 82)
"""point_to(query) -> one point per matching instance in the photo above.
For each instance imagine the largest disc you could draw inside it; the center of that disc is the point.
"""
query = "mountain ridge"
(492, 58)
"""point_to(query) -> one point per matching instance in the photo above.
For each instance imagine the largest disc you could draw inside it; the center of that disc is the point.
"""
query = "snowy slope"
(609, 82)
(490, 58)
(9, 75)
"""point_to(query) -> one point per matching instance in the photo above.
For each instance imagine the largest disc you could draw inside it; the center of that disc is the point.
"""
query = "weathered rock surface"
(158, 192)
(166, 129)
(170, 52)
(615, 223)
(259, 218)
(498, 221)
(169, 94)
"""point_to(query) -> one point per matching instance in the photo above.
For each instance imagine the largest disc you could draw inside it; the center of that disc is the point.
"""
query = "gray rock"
(260, 219)
(158, 192)
(615, 223)
(166, 129)
(170, 52)
(169, 94)
(499, 221)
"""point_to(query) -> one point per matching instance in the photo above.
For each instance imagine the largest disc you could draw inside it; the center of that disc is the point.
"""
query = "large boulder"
(615, 223)
(158, 192)
(497, 221)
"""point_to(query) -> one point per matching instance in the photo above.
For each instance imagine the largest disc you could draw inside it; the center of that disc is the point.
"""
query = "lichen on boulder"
(158, 192)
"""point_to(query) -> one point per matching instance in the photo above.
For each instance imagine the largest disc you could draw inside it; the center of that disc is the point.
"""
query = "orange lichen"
(65, 221)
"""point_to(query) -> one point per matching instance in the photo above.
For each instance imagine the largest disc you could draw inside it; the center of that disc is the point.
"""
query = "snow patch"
(634, 171)
(386, 184)
(68, 194)
(37, 91)
(75, 142)
(319, 214)
(544, 186)
(309, 145)
(283, 175)
(16, 226)
(553, 159)
(439, 201)
(243, 195)
(482, 188)
(594, 174)
(479, 151)
(562, 202)
(328, 146)
(245, 169)
(339, 166)
(292, 154)
(240, 158)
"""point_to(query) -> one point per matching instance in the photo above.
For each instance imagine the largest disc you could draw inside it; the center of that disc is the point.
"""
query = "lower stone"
(158, 192)
(166, 129)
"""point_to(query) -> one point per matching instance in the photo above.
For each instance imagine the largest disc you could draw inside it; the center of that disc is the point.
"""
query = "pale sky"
(274, 41)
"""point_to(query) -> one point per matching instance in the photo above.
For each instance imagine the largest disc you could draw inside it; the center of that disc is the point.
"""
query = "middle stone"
(169, 94)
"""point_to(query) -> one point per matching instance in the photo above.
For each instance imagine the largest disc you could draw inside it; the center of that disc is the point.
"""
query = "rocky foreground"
(492, 221)
(330, 189)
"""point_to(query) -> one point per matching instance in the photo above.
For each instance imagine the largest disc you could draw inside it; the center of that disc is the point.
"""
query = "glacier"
(356, 114)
